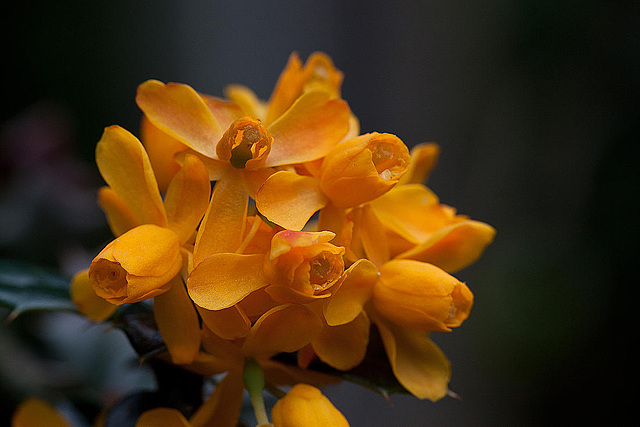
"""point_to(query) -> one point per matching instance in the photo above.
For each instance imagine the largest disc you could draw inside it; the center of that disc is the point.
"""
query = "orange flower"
(36, 412)
(353, 172)
(305, 405)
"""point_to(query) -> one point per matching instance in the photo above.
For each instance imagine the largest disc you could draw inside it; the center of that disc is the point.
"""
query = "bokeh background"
(535, 105)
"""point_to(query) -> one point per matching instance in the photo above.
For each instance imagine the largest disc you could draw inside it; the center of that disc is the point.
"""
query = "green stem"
(254, 383)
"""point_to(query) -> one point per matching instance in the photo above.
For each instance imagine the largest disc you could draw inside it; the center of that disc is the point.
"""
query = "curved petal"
(305, 405)
(37, 412)
(223, 224)
(287, 89)
(125, 166)
(84, 297)
(247, 100)
(224, 279)
(423, 159)
(453, 247)
(417, 362)
(119, 216)
(286, 294)
(356, 289)
(187, 197)
(225, 112)
(162, 149)
(167, 417)
(178, 322)
(179, 111)
(343, 347)
(229, 323)
(223, 407)
(373, 237)
(308, 130)
(289, 199)
(285, 328)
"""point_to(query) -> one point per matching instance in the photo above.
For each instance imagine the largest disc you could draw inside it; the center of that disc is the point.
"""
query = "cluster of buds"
(261, 228)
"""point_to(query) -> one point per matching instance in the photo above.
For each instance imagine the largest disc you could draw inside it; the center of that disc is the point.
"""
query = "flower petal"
(119, 216)
(178, 322)
(166, 417)
(289, 199)
(162, 149)
(423, 159)
(287, 89)
(356, 289)
(180, 112)
(305, 405)
(126, 168)
(247, 100)
(37, 412)
(343, 347)
(223, 407)
(308, 130)
(417, 362)
(229, 323)
(187, 197)
(89, 304)
(222, 227)
(373, 237)
(224, 279)
(285, 328)
(453, 247)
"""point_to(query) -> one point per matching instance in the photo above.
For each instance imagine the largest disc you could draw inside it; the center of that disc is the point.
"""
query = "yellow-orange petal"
(455, 247)
(125, 166)
(285, 328)
(288, 295)
(187, 197)
(178, 322)
(321, 73)
(412, 211)
(224, 111)
(222, 227)
(229, 323)
(308, 130)
(223, 406)
(224, 279)
(289, 199)
(417, 362)
(119, 216)
(373, 237)
(162, 149)
(363, 168)
(305, 405)
(36, 412)
(343, 347)
(356, 289)
(179, 111)
(287, 89)
(423, 159)
(166, 417)
(84, 297)
(247, 100)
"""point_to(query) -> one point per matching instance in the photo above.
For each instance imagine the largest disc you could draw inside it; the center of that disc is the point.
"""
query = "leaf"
(374, 372)
(138, 324)
(26, 287)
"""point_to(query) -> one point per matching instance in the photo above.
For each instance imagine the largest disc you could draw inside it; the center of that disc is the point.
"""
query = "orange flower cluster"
(311, 233)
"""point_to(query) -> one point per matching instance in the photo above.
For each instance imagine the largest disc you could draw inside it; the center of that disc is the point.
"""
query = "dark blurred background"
(535, 105)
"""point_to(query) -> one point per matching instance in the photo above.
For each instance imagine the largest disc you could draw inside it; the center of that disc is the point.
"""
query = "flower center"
(386, 159)
(110, 277)
(245, 144)
(324, 270)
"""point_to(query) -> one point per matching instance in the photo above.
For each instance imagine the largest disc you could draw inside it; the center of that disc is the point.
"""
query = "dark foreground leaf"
(27, 287)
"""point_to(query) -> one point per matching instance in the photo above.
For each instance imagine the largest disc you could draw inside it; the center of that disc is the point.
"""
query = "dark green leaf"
(27, 287)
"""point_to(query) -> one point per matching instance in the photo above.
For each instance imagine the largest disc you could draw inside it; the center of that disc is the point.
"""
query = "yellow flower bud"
(418, 295)
(363, 168)
(137, 265)
(305, 405)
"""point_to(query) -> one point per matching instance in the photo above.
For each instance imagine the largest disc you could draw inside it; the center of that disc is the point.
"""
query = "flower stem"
(254, 383)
